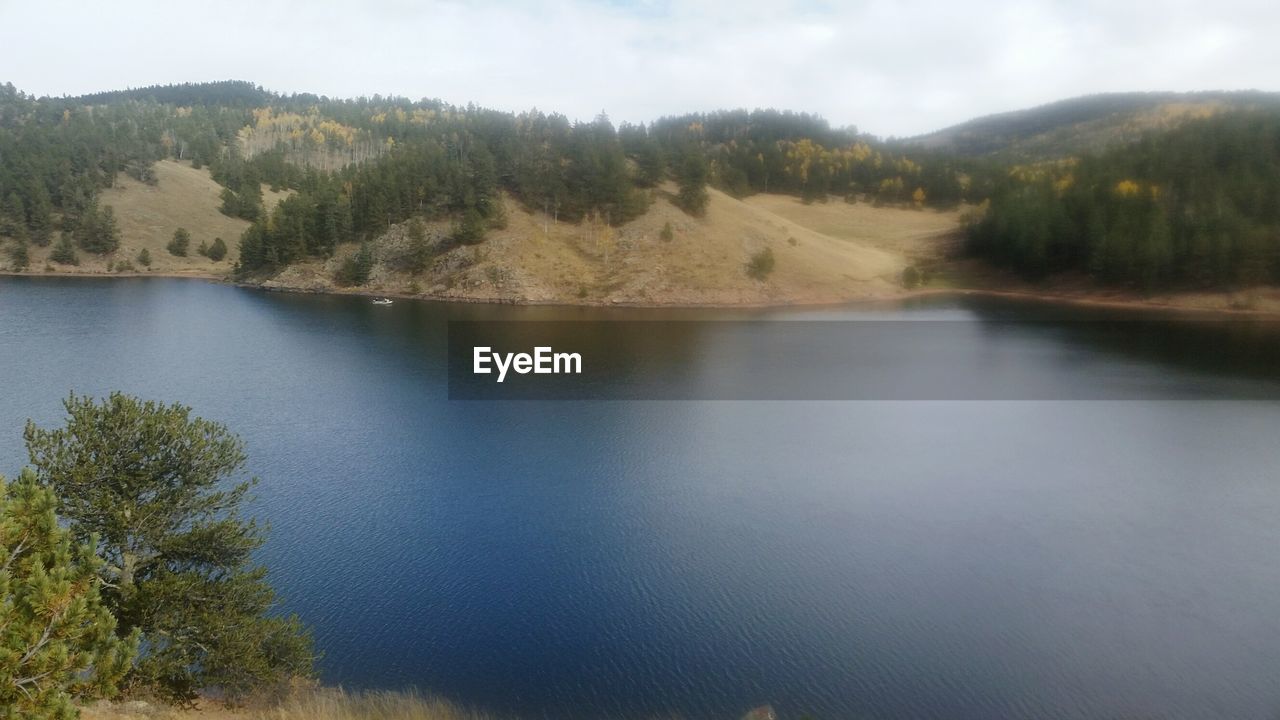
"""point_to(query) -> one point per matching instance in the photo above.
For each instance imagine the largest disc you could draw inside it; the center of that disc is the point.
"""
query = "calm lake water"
(924, 558)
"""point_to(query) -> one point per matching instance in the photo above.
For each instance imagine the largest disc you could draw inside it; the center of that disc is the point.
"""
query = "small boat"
(382, 301)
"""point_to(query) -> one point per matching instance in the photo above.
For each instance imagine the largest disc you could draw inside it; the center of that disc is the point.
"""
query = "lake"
(1102, 543)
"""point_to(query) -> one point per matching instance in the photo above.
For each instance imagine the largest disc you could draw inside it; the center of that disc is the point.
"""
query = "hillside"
(1083, 124)
(148, 215)
(535, 260)
(824, 252)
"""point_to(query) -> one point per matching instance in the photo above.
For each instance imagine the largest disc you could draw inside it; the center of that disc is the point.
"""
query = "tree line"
(1194, 207)
(415, 158)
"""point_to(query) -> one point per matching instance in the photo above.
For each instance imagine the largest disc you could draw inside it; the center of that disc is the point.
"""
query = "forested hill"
(1195, 207)
(357, 167)
(1084, 124)
(1189, 199)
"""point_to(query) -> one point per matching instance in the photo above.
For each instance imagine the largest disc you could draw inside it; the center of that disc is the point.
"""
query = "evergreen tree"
(154, 484)
(693, 182)
(144, 257)
(19, 256)
(39, 214)
(13, 217)
(63, 252)
(58, 640)
(217, 250)
(355, 270)
(180, 243)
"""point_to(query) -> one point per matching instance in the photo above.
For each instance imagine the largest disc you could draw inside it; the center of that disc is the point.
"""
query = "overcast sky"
(890, 68)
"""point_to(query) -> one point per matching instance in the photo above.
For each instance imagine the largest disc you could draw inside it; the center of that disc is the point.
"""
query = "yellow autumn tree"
(1127, 188)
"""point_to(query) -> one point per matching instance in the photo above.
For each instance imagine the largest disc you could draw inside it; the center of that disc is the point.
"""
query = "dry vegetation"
(318, 704)
(148, 215)
(705, 262)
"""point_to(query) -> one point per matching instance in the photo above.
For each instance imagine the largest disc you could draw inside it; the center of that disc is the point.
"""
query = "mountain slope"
(1084, 124)
(703, 263)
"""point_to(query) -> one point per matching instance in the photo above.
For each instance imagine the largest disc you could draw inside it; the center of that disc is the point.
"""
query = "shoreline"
(1048, 296)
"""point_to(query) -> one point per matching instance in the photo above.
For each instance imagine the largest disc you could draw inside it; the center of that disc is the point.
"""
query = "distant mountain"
(1084, 124)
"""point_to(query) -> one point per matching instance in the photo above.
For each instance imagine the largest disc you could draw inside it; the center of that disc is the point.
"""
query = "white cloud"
(887, 67)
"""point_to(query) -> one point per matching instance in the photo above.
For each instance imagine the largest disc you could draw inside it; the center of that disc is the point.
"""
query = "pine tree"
(693, 182)
(13, 217)
(180, 243)
(144, 257)
(19, 256)
(217, 250)
(155, 485)
(355, 270)
(63, 252)
(57, 638)
(40, 215)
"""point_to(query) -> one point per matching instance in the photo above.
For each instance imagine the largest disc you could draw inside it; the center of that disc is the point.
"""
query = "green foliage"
(469, 229)
(144, 257)
(180, 243)
(1198, 206)
(761, 264)
(417, 252)
(203, 249)
(159, 489)
(58, 640)
(96, 230)
(217, 251)
(667, 233)
(692, 197)
(13, 217)
(63, 252)
(356, 269)
(19, 256)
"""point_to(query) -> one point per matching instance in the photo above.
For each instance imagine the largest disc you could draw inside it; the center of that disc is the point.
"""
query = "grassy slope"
(148, 215)
(535, 260)
(824, 252)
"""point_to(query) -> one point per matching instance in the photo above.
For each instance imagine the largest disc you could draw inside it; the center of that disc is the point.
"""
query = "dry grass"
(824, 253)
(330, 704)
(148, 215)
(315, 704)
(915, 234)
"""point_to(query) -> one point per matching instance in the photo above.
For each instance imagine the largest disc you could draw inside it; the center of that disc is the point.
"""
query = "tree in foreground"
(157, 486)
(58, 641)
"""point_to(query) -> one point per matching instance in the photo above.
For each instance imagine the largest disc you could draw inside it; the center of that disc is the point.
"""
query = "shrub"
(667, 233)
(180, 243)
(217, 251)
(19, 257)
(469, 230)
(63, 252)
(761, 264)
(911, 277)
(356, 269)
(144, 258)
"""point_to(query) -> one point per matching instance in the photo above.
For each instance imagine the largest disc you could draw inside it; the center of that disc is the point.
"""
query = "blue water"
(923, 559)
